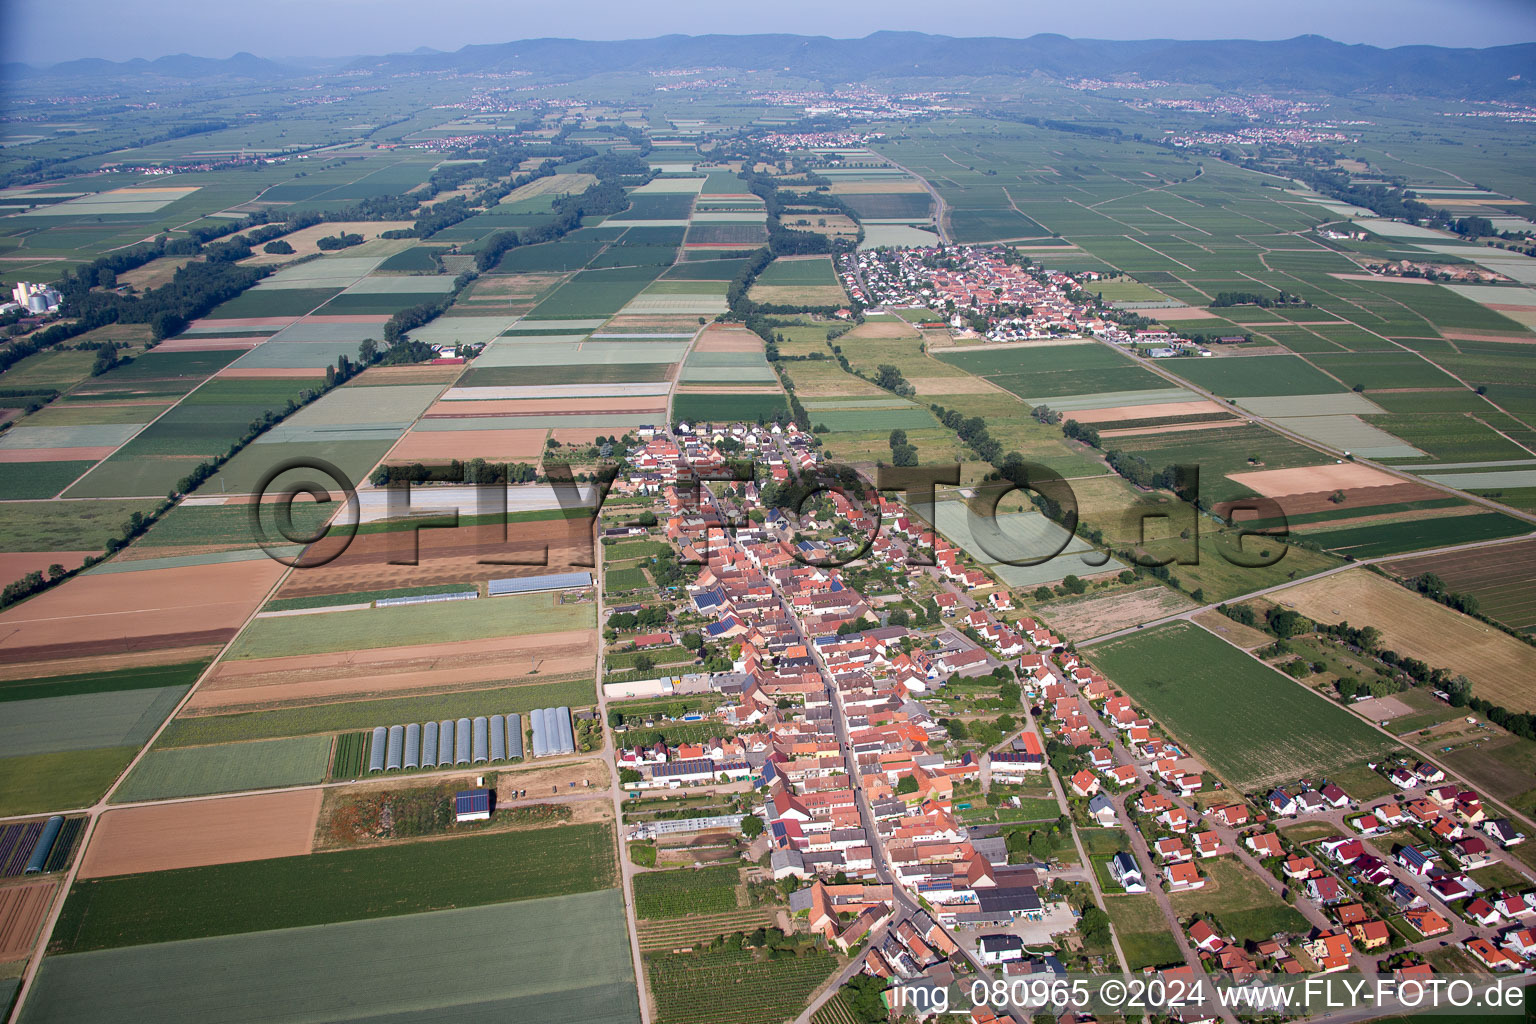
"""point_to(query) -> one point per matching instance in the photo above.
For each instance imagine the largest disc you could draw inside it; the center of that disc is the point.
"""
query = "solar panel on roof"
(376, 749)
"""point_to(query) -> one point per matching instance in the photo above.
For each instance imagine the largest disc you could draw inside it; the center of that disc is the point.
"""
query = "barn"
(472, 805)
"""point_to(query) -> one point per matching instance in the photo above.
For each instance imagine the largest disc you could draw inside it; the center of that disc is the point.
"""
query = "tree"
(908, 784)
(278, 248)
(751, 826)
(628, 776)
(367, 350)
(644, 663)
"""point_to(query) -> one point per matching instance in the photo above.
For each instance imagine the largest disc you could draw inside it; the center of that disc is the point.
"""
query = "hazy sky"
(47, 31)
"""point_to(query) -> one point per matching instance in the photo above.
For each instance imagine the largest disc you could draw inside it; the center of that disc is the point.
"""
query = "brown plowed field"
(728, 341)
(392, 671)
(199, 832)
(243, 321)
(492, 445)
(1355, 498)
(56, 454)
(22, 909)
(125, 611)
(16, 564)
(1277, 483)
(445, 556)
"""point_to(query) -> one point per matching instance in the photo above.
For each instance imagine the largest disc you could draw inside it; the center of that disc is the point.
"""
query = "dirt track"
(352, 675)
(183, 835)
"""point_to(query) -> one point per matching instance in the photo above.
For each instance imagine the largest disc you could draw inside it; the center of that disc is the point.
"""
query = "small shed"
(472, 805)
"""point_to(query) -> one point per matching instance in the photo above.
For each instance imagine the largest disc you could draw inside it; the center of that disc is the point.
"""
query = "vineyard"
(737, 985)
(350, 752)
(834, 1011)
(664, 936)
(678, 893)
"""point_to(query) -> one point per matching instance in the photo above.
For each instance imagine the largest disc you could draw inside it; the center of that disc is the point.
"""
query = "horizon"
(102, 32)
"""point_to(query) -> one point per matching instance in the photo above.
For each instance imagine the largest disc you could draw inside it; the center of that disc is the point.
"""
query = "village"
(859, 730)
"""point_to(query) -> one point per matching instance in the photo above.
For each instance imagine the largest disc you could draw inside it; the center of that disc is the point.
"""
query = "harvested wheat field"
(963, 384)
(111, 612)
(1276, 483)
(1168, 428)
(417, 373)
(430, 446)
(1502, 669)
(728, 340)
(464, 408)
(391, 671)
(304, 239)
(1085, 617)
(1145, 412)
(22, 910)
(200, 832)
(445, 556)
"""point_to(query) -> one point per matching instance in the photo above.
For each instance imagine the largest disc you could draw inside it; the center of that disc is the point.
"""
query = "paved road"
(940, 208)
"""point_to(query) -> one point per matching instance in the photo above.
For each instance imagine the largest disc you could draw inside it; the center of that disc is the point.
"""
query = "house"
(1183, 877)
(1205, 938)
(1264, 844)
(1000, 948)
(1173, 851)
(1426, 922)
(1491, 956)
(1102, 810)
(1481, 911)
(1335, 796)
(1414, 859)
(1123, 869)
(1330, 950)
(1428, 773)
(1502, 832)
(1282, 803)
(1513, 907)
(1342, 851)
(1471, 852)
(1324, 889)
(1085, 783)
(1369, 935)
(1522, 942)
(1299, 867)
(1232, 815)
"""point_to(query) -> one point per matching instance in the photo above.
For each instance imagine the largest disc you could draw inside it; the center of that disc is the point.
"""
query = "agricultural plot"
(1143, 932)
(664, 894)
(351, 885)
(130, 840)
(1041, 373)
(226, 768)
(1391, 538)
(1499, 666)
(1256, 376)
(739, 985)
(574, 967)
(85, 721)
(595, 293)
(1019, 537)
(1204, 690)
(707, 407)
(1502, 578)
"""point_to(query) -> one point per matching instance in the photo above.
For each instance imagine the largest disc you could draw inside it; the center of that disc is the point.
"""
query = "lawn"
(351, 885)
(226, 768)
(1249, 723)
(620, 581)
(663, 894)
(1142, 931)
(1245, 907)
(365, 714)
(572, 960)
(403, 626)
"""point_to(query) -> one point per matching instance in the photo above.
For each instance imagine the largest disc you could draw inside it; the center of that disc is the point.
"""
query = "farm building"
(448, 743)
(552, 732)
(537, 584)
(472, 805)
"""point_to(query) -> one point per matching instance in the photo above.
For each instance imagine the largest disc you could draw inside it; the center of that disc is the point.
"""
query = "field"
(1096, 614)
(86, 721)
(407, 625)
(1038, 374)
(707, 407)
(1502, 578)
(1246, 908)
(322, 888)
(195, 771)
(1143, 932)
(661, 894)
(22, 910)
(573, 967)
(50, 782)
(181, 835)
(1205, 692)
(1501, 668)
(743, 986)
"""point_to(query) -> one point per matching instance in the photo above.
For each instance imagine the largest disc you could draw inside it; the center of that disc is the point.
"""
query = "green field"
(41, 480)
(403, 626)
(181, 675)
(53, 782)
(83, 721)
(292, 892)
(1142, 931)
(1393, 538)
(816, 271)
(226, 768)
(704, 407)
(82, 526)
(572, 960)
(1057, 370)
(1245, 907)
(593, 293)
(365, 714)
(677, 893)
(1250, 724)
(1254, 376)
(857, 420)
(620, 581)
